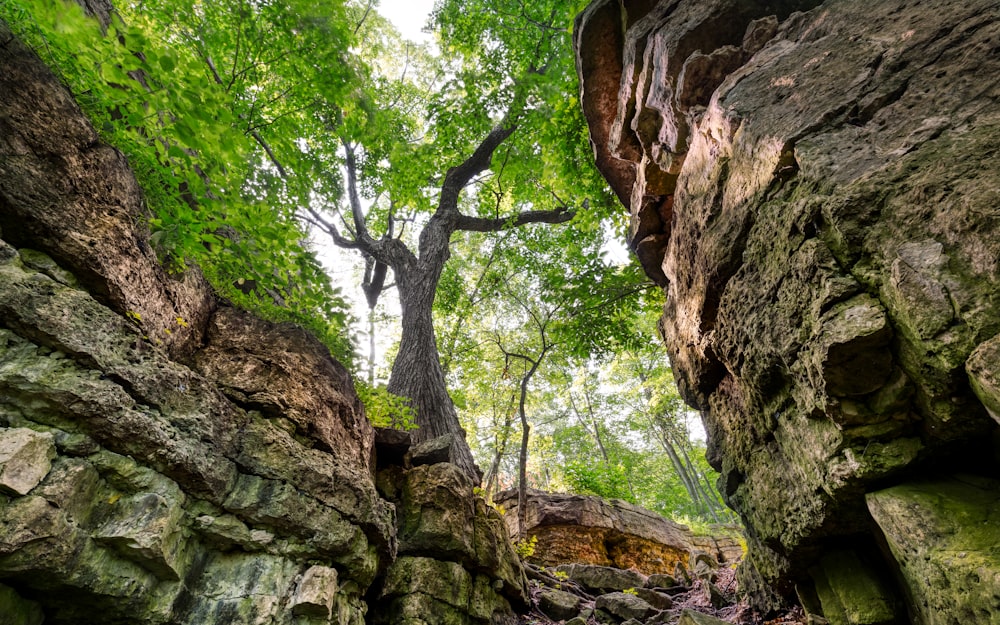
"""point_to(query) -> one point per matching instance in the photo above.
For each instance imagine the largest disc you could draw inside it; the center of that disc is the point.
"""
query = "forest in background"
(256, 127)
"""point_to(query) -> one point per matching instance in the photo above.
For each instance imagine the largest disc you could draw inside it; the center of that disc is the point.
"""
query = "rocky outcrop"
(455, 560)
(589, 530)
(814, 186)
(166, 458)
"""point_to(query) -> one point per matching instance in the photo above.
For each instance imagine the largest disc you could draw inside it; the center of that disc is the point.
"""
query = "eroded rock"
(942, 534)
(25, 459)
(828, 258)
(589, 530)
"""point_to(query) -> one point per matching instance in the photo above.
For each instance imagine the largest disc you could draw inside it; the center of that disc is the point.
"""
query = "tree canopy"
(461, 172)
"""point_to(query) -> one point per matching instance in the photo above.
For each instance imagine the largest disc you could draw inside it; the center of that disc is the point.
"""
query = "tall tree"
(490, 156)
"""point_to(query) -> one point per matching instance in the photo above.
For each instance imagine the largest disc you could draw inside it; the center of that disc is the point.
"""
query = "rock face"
(814, 185)
(165, 458)
(590, 530)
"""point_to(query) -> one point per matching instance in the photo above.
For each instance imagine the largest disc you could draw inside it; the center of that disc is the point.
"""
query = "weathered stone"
(239, 588)
(691, 617)
(602, 578)
(660, 580)
(585, 529)
(625, 606)
(830, 265)
(281, 370)
(942, 534)
(41, 262)
(851, 592)
(436, 513)
(983, 367)
(438, 582)
(15, 610)
(72, 485)
(656, 599)
(25, 459)
(432, 452)
(714, 596)
(315, 593)
(439, 517)
(558, 605)
(146, 529)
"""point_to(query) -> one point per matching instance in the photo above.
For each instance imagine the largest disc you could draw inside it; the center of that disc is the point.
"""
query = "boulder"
(625, 606)
(690, 617)
(602, 578)
(590, 530)
(558, 605)
(942, 535)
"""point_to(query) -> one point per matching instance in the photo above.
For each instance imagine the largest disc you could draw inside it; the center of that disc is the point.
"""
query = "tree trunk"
(416, 372)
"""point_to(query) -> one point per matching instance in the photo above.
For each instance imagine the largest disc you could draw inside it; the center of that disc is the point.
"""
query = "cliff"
(166, 458)
(814, 186)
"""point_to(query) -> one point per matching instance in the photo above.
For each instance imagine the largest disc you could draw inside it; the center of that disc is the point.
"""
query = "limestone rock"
(851, 592)
(812, 185)
(146, 529)
(149, 447)
(660, 580)
(315, 593)
(440, 518)
(690, 617)
(585, 529)
(558, 605)
(25, 459)
(983, 367)
(433, 451)
(656, 599)
(942, 534)
(439, 593)
(602, 578)
(625, 606)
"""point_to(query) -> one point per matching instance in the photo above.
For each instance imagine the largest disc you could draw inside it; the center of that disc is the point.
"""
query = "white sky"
(409, 16)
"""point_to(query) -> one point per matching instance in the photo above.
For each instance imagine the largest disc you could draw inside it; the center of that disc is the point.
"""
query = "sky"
(409, 16)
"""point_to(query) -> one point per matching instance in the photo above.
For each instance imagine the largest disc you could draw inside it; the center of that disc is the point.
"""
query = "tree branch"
(360, 227)
(483, 224)
(458, 177)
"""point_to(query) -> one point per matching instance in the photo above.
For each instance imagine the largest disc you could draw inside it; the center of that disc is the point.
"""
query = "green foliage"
(215, 197)
(526, 547)
(385, 409)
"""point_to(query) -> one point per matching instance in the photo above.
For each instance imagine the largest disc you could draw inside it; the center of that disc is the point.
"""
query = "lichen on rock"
(814, 187)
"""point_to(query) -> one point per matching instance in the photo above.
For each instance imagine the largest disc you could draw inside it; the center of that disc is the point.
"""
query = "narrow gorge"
(814, 186)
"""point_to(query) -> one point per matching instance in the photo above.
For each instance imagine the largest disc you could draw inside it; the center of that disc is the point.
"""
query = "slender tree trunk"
(503, 438)
(416, 372)
(371, 346)
(522, 475)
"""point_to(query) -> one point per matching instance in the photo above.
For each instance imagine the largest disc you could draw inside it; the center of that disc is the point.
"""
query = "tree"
(488, 136)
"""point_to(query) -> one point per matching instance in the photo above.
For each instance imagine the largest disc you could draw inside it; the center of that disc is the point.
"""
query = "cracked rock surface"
(815, 187)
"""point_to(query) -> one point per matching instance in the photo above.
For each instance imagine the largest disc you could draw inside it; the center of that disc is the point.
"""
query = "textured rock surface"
(943, 534)
(816, 191)
(590, 530)
(165, 458)
(456, 563)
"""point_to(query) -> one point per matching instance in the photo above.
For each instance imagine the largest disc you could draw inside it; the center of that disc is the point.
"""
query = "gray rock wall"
(165, 458)
(815, 187)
